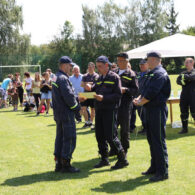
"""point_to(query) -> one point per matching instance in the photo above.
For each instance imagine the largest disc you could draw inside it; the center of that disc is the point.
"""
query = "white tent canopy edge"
(178, 45)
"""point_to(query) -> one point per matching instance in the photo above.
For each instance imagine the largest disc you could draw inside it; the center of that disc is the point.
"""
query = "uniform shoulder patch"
(54, 79)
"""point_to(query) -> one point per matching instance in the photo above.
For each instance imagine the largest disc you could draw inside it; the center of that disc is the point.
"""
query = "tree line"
(106, 30)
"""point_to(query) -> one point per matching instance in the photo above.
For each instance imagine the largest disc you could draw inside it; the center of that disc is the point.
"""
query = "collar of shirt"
(143, 73)
(156, 68)
(63, 73)
(80, 75)
(121, 71)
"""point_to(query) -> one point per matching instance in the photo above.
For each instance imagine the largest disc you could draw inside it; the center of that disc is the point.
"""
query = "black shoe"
(112, 153)
(143, 132)
(102, 163)
(79, 121)
(85, 125)
(120, 164)
(67, 168)
(58, 164)
(183, 131)
(122, 161)
(150, 171)
(158, 177)
(38, 113)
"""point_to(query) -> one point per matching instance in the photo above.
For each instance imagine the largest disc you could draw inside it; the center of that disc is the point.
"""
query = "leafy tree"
(172, 26)
(189, 31)
(154, 20)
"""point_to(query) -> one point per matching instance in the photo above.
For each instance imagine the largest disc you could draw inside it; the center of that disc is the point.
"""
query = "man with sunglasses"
(187, 100)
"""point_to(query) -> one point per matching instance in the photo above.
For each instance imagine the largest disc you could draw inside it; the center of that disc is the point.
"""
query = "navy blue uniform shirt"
(142, 77)
(63, 97)
(110, 87)
(157, 87)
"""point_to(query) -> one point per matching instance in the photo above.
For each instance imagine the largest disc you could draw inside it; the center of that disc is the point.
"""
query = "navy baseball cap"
(103, 59)
(143, 61)
(123, 55)
(154, 54)
(66, 60)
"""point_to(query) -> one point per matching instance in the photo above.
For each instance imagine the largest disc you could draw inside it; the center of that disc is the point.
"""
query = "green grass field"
(26, 160)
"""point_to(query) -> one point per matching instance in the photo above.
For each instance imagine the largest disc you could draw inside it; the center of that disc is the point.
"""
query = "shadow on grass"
(51, 125)
(6, 111)
(86, 168)
(171, 134)
(122, 186)
(85, 132)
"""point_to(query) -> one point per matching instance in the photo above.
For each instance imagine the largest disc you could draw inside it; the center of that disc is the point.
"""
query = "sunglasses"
(189, 61)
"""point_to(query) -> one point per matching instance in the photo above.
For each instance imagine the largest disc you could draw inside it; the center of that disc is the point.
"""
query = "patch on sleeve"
(54, 78)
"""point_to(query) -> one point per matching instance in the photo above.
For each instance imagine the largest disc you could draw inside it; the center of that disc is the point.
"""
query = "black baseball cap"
(154, 54)
(123, 55)
(143, 61)
(66, 60)
(103, 59)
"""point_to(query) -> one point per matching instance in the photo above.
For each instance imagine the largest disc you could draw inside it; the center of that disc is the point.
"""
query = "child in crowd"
(29, 103)
(14, 95)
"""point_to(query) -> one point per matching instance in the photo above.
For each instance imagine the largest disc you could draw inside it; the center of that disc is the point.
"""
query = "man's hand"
(135, 101)
(98, 97)
(82, 99)
(140, 101)
(87, 87)
(123, 89)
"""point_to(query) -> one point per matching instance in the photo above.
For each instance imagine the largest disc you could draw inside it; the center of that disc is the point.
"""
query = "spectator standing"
(89, 78)
(36, 84)
(45, 92)
(19, 87)
(7, 83)
(14, 94)
(76, 79)
(28, 83)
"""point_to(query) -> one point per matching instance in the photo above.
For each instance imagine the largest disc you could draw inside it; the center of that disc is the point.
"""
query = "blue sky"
(44, 18)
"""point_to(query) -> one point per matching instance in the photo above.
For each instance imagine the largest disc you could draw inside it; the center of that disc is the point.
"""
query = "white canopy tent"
(178, 45)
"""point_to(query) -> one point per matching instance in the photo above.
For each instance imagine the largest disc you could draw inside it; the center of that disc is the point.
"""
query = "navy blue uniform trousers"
(106, 131)
(65, 142)
(156, 125)
(124, 116)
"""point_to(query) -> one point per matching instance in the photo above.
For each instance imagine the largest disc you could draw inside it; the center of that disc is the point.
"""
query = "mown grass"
(26, 160)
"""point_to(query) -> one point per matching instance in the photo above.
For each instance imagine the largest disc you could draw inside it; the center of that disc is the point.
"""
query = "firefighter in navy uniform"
(129, 90)
(156, 92)
(64, 106)
(107, 99)
(142, 77)
(187, 100)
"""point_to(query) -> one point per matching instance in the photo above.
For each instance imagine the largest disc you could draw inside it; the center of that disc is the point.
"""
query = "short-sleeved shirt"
(36, 88)
(90, 77)
(76, 83)
(5, 83)
(29, 80)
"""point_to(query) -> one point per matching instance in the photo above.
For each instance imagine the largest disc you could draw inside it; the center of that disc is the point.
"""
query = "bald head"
(189, 64)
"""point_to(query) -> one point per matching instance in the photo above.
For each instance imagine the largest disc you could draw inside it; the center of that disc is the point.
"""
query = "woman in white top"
(36, 89)
(28, 83)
